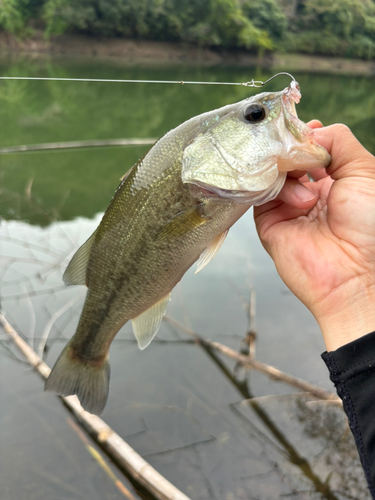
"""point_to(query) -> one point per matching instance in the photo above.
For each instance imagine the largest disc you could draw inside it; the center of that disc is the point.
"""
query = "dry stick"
(249, 363)
(111, 442)
(100, 460)
(77, 144)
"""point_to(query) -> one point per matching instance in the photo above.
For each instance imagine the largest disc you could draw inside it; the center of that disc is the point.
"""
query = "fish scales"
(125, 260)
(176, 204)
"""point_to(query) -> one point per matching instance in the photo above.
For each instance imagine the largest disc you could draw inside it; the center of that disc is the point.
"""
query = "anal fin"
(147, 324)
(209, 253)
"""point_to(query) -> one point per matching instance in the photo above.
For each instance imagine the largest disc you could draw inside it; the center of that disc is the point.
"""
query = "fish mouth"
(301, 151)
(291, 97)
(304, 157)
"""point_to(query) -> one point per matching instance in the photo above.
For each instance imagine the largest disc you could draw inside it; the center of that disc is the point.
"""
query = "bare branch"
(113, 444)
(251, 363)
(96, 454)
(77, 144)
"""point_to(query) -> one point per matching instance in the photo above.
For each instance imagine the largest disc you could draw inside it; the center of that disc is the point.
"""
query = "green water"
(209, 429)
(71, 183)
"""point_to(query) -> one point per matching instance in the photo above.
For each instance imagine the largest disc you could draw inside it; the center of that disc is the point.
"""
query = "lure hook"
(259, 83)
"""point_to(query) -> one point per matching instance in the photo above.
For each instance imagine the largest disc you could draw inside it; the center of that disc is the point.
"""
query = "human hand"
(321, 236)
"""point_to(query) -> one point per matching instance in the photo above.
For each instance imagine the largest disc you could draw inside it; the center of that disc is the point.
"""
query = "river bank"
(140, 52)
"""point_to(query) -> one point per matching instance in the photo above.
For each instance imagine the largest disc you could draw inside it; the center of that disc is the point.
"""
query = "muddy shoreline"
(140, 52)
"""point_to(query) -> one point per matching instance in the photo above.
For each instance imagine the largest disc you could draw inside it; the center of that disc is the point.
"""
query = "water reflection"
(80, 183)
(189, 412)
(317, 423)
(210, 430)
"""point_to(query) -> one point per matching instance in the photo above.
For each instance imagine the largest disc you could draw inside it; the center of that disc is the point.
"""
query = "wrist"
(343, 321)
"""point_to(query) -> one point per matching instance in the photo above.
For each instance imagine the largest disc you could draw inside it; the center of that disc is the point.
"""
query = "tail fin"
(74, 375)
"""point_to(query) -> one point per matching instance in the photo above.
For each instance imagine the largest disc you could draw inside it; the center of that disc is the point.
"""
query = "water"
(190, 412)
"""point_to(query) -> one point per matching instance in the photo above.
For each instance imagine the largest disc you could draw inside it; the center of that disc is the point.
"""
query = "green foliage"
(137, 19)
(330, 27)
(16, 14)
(206, 22)
(12, 17)
(334, 27)
(59, 17)
(342, 18)
(267, 15)
(226, 25)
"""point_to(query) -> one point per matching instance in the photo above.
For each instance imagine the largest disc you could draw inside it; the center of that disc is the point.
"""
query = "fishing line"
(252, 83)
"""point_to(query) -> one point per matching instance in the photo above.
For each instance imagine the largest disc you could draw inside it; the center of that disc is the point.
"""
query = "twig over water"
(77, 144)
(249, 362)
(100, 460)
(113, 444)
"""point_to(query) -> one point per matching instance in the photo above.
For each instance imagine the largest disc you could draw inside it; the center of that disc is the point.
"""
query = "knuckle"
(343, 129)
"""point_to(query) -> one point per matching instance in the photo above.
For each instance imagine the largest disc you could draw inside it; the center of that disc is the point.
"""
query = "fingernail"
(303, 193)
(315, 124)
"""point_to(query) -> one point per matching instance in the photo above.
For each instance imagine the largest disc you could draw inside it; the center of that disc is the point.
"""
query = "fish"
(173, 208)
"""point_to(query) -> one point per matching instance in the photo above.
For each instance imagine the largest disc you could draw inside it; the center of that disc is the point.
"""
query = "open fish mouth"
(301, 150)
(247, 162)
(292, 94)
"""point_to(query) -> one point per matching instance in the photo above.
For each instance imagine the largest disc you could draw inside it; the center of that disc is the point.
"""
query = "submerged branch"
(112, 443)
(78, 144)
(249, 362)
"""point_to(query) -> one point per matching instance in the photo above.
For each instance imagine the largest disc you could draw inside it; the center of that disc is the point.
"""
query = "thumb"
(349, 157)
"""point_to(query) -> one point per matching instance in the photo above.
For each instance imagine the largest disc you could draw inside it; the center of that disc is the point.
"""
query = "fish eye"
(255, 113)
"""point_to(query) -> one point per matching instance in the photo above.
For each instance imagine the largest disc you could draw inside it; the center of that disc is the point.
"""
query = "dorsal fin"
(146, 325)
(207, 255)
(75, 273)
(126, 174)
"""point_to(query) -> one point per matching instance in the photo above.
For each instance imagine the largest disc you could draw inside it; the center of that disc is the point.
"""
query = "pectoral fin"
(183, 223)
(210, 252)
(75, 273)
(146, 325)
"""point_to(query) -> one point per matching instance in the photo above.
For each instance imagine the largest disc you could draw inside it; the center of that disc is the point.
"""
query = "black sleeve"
(352, 370)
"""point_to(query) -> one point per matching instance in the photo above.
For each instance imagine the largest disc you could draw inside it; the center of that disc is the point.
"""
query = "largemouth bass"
(173, 208)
